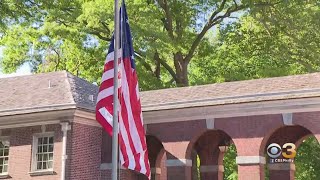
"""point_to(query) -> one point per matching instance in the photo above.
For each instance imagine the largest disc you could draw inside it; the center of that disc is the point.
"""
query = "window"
(4, 156)
(43, 152)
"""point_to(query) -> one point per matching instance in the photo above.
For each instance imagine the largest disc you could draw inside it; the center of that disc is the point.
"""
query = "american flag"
(132, 142)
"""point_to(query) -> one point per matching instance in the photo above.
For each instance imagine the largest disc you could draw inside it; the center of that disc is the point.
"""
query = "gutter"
(64, 128)
(25, 110)
(247, 98)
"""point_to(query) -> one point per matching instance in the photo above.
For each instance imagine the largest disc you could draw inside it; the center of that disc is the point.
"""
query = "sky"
(23, 70)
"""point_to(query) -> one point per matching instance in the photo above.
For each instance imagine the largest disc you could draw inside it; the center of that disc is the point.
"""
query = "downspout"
(64, 128)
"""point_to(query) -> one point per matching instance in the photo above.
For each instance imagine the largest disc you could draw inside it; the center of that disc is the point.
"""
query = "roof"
(46, 90)
(278, 88)
(62, 89)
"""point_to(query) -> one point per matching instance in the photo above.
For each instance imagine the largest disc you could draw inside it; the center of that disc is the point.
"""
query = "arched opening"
(208, 155)
(307, 160)
(289, 154)
(157, 158)
(230, 165)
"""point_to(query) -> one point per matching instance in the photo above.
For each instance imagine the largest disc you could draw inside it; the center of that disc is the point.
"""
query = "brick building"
(48, 128)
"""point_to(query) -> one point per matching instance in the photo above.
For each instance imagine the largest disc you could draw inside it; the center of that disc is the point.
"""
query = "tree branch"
(235, 3)
(105, 26)
(58, 61)
(156, 59)
(218, 10)
(99, 35)
(167, 21)
(209, 25)
(144, 63)
(161, 61)
(168, 68)
(214, 20)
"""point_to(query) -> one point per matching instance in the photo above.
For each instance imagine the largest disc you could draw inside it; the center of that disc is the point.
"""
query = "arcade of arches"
(173, 147)
(188, 141)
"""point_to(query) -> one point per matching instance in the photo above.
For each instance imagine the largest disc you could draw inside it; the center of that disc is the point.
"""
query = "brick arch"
(157, 154)
(155, 147)
(222, 134)
(206, 146)
(300, 141)
(283, 134)
(215, 137)
(309, 120)
(202, 134)
(247, 132)
(265, 139)
(189, 149)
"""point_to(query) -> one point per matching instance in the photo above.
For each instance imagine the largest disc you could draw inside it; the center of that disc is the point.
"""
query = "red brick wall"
(85, 157)
(250, 134)
(106, 149)
(20, 152)
(124, 175)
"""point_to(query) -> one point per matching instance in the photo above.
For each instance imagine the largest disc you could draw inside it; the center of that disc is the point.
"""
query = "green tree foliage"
(274, 41)
(167, 35)
(307, 160)
(230, 165)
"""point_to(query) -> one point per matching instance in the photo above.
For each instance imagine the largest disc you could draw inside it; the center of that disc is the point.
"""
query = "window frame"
(35, 144)
(6, 138)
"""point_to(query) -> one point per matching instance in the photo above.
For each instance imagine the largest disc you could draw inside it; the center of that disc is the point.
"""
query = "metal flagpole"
(115, 129)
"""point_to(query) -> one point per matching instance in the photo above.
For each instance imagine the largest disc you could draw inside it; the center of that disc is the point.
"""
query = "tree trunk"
(181, 67)
(157, 60)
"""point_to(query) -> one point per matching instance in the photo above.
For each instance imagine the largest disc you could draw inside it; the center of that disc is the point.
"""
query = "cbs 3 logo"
(288, 150)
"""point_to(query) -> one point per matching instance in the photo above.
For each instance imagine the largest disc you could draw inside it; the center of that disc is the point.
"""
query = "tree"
(230, 165)
(167, 35)
(275, 41)
(307, 160)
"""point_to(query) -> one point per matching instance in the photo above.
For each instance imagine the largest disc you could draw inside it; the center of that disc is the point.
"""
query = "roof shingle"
(62, 88)
(47, 89)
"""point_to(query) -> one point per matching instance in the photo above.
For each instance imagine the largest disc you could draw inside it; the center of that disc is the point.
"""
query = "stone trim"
(42, 173)
(155, 170)
(287, 119)
(36, 119)
(86, 118)
(178, 162)
(246, 160)
(282, 167)
(212, 168)
(37, 109)
(5, 176)
(210, 123)
(9, 126)
(84, 121)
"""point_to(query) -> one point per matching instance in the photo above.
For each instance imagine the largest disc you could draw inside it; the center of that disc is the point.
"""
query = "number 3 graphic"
(291, 148)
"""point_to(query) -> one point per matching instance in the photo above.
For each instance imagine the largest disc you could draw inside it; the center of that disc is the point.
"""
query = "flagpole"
(115, 129)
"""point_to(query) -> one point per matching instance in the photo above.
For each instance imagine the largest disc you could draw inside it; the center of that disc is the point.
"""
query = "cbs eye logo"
(288, 150)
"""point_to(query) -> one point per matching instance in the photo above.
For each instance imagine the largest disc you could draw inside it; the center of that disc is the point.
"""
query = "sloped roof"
(58, 89)
(46, 90)
(278, 88)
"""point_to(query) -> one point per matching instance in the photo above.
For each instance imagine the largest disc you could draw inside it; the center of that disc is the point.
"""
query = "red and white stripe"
(133, 148)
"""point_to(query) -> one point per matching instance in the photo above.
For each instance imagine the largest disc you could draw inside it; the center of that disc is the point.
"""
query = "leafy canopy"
(73, 35)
